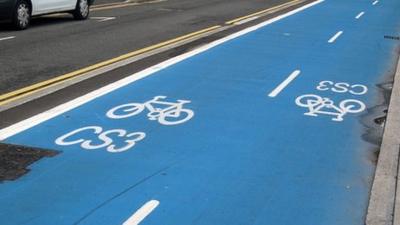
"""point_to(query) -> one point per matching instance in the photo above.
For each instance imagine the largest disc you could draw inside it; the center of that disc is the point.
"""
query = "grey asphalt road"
(55, 45)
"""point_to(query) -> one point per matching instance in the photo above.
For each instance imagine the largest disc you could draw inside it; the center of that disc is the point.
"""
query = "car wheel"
(22, 15)
(81, 11)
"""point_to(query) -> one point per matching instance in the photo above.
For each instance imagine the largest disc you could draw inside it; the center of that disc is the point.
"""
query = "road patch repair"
(264, 126)
(14, 160)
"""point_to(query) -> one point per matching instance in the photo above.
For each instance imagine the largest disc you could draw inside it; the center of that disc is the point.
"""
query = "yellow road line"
(287, 4)
(14, 95)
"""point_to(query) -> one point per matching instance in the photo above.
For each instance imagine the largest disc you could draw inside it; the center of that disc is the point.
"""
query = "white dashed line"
(7, 38)
(360, 15)
(285, 83)
(375, 2)
(141, 213)
(333, 39)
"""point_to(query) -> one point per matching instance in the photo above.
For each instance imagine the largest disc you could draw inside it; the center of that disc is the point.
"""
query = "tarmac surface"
(55, 45)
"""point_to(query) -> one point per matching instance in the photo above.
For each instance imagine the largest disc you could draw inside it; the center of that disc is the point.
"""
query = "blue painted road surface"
(261, 129)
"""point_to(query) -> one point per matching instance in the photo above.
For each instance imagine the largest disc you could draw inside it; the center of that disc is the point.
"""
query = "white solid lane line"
(285, 83)
(375, 2)
(102, 19)
(142, 213)
(7, 38)
(360, 15)
(333, 39)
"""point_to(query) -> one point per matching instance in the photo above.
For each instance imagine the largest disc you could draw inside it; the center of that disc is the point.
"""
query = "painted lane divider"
(334, 37)
(7, 38)
(102, 18)
(375, 2)
(285, 83)
(142, 213)
(360, 15)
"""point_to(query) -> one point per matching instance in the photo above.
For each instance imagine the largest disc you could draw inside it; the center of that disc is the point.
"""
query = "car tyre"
(81, 11)
(21, 15)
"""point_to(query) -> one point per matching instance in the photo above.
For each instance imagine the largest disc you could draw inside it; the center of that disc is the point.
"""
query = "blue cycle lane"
(262, 129)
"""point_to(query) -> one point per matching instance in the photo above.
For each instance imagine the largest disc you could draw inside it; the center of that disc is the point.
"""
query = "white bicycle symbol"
(319, 105)
(168, 113)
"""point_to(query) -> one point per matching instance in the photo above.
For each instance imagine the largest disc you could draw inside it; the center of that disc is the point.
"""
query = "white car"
(19, 12)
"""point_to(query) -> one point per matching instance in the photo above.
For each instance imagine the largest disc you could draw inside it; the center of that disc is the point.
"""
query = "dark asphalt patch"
(392, 37)
(14, 160)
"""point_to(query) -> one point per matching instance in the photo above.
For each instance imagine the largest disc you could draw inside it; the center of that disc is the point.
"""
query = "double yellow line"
(26, 91)
(14, 95)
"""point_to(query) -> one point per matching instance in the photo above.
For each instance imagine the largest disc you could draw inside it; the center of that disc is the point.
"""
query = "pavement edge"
(384, 204)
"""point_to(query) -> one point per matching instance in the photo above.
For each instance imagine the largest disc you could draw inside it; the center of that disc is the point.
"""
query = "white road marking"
(102, 19)
(7, 38)
(333, 39)
(375, 2)
(360, 15)
(317, 105)
(51, 113)
(141, 213)
(246, 20)
(285, 83)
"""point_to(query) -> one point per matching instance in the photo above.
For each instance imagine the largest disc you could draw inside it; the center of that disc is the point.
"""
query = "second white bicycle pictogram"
(319, 105)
